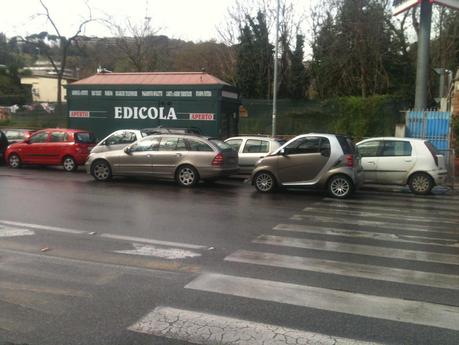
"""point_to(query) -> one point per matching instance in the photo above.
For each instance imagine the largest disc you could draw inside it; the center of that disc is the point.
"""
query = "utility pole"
(273, 133)
(422, 70)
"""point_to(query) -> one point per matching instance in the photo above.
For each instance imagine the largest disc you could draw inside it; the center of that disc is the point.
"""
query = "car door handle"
(408, 160)
(148, 156)
(179, 154)
(371, 162)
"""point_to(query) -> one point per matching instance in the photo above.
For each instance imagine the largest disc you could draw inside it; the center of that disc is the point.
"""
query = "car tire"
(340, 186)
(14, 161)
(101, 171)
(187, 176)
(69, 164)
(420, 184)
(264, 182)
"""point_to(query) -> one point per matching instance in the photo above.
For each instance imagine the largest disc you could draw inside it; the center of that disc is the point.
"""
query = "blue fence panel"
(432, 125)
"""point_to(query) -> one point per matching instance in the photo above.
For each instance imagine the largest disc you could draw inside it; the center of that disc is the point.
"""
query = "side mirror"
(27, 141)
(283, 152)
(127, 150)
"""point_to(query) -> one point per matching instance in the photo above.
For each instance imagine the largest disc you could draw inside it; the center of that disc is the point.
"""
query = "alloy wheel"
(69, 164)
(421, 184)
(101, 171)
(187, 176)
(264, 182)
(14, 161)
(340, 187)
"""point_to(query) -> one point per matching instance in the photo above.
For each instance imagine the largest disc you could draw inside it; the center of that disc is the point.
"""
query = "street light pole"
(275, 73)
(422, 70)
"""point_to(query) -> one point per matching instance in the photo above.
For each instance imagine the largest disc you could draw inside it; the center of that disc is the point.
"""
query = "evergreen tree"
(297, 78)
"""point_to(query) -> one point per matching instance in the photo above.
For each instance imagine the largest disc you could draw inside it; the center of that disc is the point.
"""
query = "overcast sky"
(189, 20)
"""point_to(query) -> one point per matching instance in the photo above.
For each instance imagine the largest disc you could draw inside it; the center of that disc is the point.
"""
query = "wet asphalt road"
(68, 274)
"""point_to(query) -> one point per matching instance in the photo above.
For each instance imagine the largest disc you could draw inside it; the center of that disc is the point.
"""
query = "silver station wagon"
(185, 158)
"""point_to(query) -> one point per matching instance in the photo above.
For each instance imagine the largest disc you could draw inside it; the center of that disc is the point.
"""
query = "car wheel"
(14, 161)
(340, 186)
(421, 184)
(264, 182)
(101, 170)
(69, 164)
(186, 176)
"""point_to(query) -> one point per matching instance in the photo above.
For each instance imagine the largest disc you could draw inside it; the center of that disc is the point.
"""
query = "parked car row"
(326, 161)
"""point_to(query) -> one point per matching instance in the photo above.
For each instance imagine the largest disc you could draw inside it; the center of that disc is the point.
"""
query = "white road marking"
(444, 281)
(386, 308)
(371, 214)
(42, 227)
(152, 241)
(386, 208)
(14, 232)
(375, 223)
(433, 200)
(165, 253)
(359, 249)
(370, 234)
(432, 205)
(209, 329)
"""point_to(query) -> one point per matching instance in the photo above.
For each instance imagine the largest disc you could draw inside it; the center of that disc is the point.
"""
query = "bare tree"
(58, 62)
(135, 42)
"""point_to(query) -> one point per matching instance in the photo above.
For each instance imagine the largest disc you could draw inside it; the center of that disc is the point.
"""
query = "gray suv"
(311, 160)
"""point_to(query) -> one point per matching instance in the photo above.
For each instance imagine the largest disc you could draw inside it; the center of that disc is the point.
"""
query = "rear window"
(221, 145)
(85, 138)
(346, 144)
(431, 147)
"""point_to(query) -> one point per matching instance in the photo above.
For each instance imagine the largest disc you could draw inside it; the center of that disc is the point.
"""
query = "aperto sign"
(202, 116)
(79, 114)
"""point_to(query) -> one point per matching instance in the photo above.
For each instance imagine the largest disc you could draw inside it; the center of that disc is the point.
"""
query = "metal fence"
(436, 127)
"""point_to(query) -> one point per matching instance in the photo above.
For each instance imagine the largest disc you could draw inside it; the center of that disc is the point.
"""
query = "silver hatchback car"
(311, 160)
(184, 158)
(251, 149)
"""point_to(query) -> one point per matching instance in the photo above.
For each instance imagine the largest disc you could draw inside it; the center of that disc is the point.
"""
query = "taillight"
(218, 160)
(349, 161)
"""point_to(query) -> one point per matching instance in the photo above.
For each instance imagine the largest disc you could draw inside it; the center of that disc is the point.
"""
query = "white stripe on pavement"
(164, 253)
(413, 198)
(359, 249)
(395, 202)
(371, 214)
(364, 222)
(14, 232)
(444, 281)
(386, 308)
(386, 208)
(209, 329)
(152, 241)
(42, 227)
(369, 234)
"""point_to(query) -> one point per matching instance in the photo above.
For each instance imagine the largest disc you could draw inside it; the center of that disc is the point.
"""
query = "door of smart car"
(302, 160)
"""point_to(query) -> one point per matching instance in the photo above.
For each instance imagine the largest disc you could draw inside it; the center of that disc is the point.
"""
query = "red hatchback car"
(67, 147)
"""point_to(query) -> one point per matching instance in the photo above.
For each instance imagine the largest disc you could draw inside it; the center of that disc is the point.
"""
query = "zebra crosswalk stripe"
(369, 234)
(373, 272)
(386, 308)
(210, 329)
(360, 249)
